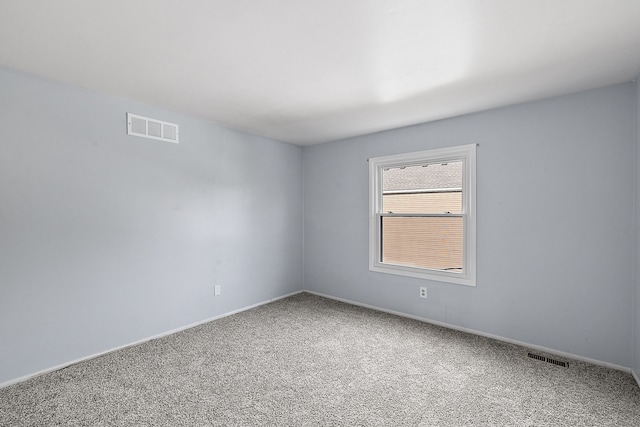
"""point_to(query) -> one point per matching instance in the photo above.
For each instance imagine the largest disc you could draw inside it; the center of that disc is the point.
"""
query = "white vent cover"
(152, 128)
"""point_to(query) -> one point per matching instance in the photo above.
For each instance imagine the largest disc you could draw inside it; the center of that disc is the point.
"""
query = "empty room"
(300, 213)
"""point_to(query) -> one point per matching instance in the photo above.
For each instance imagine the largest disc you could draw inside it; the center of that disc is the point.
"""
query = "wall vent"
(549, 360)
(152, 128)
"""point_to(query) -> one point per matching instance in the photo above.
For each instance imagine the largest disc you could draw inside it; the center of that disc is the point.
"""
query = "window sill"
(419, 273)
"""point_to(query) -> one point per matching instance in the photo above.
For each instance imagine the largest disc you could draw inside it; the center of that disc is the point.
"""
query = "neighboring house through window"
(422, 214)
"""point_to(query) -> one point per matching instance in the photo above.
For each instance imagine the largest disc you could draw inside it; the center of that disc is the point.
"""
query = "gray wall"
(555, 180)
(636, 314)
(106, 239)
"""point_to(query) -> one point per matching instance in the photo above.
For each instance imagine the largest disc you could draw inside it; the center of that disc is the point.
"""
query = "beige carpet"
(307, 361)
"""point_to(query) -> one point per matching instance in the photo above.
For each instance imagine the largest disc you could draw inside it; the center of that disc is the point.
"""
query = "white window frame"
(464, 153)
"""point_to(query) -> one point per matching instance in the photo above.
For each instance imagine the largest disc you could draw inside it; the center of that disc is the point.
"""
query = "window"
(422, 214)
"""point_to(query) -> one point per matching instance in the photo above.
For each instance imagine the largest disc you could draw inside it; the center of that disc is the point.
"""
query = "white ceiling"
(310, 71)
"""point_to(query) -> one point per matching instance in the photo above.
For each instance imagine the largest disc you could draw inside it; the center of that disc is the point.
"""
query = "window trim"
(465, 153)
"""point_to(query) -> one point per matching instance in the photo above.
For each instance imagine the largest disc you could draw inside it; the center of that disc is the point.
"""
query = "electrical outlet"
(216, 290)
(423, 292)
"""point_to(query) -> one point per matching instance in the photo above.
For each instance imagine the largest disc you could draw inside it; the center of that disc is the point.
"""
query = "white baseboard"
(397, 313)
(483, 334)
(163, 334)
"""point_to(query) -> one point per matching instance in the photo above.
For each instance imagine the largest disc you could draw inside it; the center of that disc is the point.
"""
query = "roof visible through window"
(434, 176)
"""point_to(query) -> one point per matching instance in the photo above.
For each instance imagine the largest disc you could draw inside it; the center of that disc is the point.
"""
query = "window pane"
(432, 188)
(426, 242)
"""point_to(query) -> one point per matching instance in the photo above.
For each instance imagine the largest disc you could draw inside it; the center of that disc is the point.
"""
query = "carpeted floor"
(307, 361)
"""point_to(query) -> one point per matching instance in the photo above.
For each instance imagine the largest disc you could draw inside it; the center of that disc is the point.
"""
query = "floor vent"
(535, 356)
(549, 360)
(152, 128)
(558, 362)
